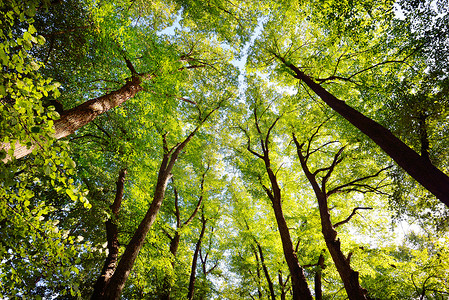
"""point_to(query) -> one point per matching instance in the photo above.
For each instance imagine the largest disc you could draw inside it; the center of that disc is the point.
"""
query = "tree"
(299, 284)
(322, 193)
(117, 281)
(284, 48)
(91, 89)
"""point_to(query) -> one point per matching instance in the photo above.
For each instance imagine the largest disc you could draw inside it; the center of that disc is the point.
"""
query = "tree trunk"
(349, 277)
(117, 282)
(299, 283)
(282, 285)
(300, 287)
(259, 287)
(318, 275)
(77, 117)
(112, 239)
(420, 168)
(265, 270)
(195, 259)
(174, 241)
(174, 244)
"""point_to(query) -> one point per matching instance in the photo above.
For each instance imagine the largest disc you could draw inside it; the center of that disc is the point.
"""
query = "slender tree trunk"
(300, 287)
(77, 117)
(174, 241)
(318, 276)
(117, 282)
(267, 274)
(259, 288)
(349, 277)
(195, 259)
(299, 283)
(420, 168)
(282, 285)
(112, 239)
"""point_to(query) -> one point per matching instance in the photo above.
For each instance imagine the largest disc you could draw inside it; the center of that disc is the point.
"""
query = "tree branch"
(355, 182)
(350, 216)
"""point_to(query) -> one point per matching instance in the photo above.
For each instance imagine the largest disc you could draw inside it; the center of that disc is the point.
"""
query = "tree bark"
(265, 271)
(117, 282)
(77, 117)
(195, 259)
(349, 277)
(420, 168)
(299, 283)
(318, 276)
(112, 239)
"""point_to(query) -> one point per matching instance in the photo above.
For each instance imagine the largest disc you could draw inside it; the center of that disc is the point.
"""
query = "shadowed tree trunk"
(264, 266)
(265, 271)
(117, 282)
(318, 276)
(175, 239)
(349, 277)
(299, 283)
(195, 258)
(112, 239)
(417, 166)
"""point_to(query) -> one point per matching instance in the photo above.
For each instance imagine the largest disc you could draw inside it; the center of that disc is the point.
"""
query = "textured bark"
(299, 283)
(195, 259)
(118, 280)
(112, 239)
(420, 168)
(77, 117)
(349, 277)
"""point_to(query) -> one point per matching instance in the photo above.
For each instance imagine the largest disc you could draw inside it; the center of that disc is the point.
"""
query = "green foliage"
(389, 67)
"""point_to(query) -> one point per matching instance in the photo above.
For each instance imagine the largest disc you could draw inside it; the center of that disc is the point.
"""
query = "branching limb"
(354, 211)
(356, 183)
(130, 66)
(267, 190)
(248, 147)
(337, 159)
(200, 200)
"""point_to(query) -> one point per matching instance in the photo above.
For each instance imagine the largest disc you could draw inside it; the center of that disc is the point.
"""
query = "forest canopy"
(224, 149)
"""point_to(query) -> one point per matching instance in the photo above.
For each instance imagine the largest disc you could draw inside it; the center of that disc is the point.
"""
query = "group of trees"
(224, 149)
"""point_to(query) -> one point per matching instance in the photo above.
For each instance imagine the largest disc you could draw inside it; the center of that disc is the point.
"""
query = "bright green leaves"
(29, 229)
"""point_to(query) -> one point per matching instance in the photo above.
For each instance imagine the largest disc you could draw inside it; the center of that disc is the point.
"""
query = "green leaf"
(31, 29)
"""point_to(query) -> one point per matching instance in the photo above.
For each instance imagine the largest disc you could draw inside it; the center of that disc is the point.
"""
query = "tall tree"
(115, 286)
(322, 192)
(299, 284)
